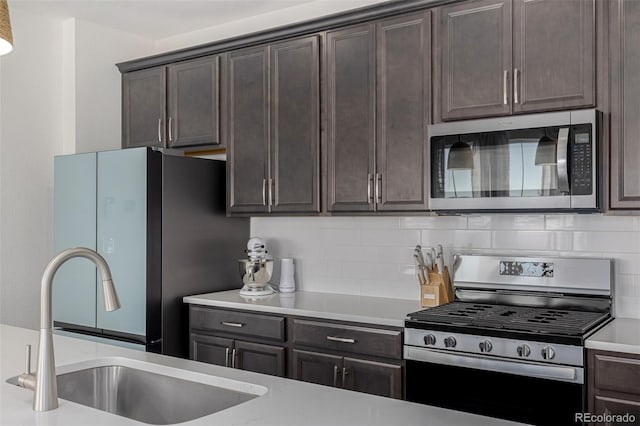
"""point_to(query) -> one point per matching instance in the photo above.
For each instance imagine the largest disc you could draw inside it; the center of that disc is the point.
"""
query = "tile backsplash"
(373, 255)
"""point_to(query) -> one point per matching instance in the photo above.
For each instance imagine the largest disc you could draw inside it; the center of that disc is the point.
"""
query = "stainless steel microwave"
(536, 162)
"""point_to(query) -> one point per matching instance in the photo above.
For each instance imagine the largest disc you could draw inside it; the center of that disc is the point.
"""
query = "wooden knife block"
(439, 291)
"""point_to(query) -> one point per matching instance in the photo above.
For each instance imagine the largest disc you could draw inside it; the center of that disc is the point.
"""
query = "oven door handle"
(552, 372)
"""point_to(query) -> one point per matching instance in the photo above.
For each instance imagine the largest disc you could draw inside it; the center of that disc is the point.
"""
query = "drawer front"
(238, 323)
(361, 340)
(617, 373)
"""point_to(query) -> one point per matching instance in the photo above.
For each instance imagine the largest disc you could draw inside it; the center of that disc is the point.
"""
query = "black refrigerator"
(160, 222)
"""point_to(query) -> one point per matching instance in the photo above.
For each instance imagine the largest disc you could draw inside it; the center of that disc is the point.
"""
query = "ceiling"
(155, 19)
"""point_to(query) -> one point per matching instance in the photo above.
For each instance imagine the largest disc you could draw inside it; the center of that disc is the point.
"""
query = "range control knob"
(450, 342)
(548, 352)
(523, 350)
(485, 346)
(429, 339)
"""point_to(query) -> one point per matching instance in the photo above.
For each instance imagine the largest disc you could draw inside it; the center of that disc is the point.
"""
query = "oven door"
(519, 391)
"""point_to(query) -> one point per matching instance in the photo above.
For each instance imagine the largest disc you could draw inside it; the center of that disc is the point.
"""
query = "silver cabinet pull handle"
(160, 130)
(369, 182)
(335, 376)
(341, 339)
(344, 375)
(226, 357)
(232, 324)
(270, 192)
(170, 137)
(505, 79)
(264, 192)
(379, 188)
(233, 358)
(515, 85)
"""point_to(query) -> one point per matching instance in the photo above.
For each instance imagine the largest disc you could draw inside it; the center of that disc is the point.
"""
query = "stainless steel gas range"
(511, 345)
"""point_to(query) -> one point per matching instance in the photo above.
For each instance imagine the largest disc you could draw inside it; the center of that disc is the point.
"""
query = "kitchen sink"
(149, 396)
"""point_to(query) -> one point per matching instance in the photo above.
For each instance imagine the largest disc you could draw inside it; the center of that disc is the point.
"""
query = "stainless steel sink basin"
(145, 396)
(148, 392)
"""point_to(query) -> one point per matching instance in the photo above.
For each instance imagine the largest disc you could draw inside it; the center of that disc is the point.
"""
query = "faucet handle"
(28, 360)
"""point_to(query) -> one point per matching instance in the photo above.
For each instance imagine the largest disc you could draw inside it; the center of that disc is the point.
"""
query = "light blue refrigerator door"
(122, 236)
(74, 212)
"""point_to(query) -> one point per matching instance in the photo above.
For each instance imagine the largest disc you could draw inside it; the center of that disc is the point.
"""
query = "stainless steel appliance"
(511, 345)
(531, 162)
(256, 271)
(160, 222)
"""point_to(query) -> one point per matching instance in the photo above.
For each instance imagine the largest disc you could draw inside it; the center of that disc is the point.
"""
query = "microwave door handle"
(561, 158)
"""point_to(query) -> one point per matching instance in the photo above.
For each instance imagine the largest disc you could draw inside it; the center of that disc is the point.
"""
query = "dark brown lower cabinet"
(614, 387)
(377, 378)
(373, 377)
(256, 357)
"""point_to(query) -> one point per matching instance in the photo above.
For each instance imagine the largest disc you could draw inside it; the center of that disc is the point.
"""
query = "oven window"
(518, 163)
(512, 397)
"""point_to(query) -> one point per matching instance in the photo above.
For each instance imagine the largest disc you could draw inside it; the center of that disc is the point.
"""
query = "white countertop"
(287, 402)
(620, 335)
(342, 307)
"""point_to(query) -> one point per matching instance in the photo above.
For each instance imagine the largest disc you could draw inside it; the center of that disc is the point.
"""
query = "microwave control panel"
(581, 164)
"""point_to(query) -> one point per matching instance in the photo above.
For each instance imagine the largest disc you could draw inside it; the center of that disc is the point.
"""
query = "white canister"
(287, 281)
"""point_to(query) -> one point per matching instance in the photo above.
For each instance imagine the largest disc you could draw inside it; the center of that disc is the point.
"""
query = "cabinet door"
(122, 236)
(74, 217)
(474, 50)
(144, 108)
(194, 99)
(210, 349)
(372, 377)
(554, 56)
(248, 130)
(350, 97)
(295, 134)
(616, 406)
(404, 100)
(260, 358)
(624, 30)
(316, 367)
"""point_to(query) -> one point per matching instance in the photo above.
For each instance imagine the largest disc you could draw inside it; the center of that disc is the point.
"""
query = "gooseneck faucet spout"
(44, 383)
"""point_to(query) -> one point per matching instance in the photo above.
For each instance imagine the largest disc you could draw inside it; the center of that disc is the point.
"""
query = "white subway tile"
(329, 238)
(456, 238)
(627, 307)
(626, 285)
(333, 285)
(532, 240)
(390, 237)
(383, 222)
(591, 222)
(409, 291)
(433, 222)
(628, 242)
(479, 222)
(499, 222)
(625, 263)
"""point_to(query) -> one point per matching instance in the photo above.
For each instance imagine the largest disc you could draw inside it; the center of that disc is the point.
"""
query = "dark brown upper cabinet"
(624, 50)
(172, 106)
(194, 103)
(501, 57)
(473, 48)
(144, 108)
(377, 103)
(272, 128)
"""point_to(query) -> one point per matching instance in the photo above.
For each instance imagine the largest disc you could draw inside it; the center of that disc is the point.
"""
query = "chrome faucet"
(44, 383)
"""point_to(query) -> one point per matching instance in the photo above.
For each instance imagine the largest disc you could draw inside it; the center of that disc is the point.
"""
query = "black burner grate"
(517, 318)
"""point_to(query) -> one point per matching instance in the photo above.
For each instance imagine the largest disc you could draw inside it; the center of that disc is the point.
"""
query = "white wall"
(60, 94)
(302, 12)
(31, 134)
(373, 255)
(98, 82)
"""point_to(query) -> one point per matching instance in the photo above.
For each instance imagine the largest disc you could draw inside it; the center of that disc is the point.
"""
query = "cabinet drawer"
(617, 373)
(362, 340)
(237, 323)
